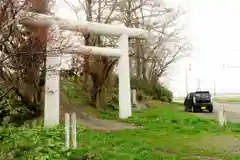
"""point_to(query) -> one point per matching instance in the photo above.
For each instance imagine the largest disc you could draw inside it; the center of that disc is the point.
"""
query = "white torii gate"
(53, 64)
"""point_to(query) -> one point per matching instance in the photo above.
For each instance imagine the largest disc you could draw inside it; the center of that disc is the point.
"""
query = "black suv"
(198, 101)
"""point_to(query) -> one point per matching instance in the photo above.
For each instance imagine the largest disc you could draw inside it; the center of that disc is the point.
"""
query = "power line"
(214, 87)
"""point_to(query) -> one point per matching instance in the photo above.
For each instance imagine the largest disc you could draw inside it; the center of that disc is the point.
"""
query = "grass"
(227, 99)
(222, 99)
(72, 92)
(167, 134)
(178, 103)
(179, 98)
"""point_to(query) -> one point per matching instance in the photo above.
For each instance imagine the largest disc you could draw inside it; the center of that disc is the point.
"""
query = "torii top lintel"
(83, 26)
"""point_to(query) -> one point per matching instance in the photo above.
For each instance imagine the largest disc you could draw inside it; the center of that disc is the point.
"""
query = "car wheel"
(193, 109)
(210, 110)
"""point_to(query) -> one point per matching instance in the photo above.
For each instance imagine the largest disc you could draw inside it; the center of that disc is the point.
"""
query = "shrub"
(113, 100)
(145, 91)
(13, 111)
(36, 143)
(157, 92)
(163, 93)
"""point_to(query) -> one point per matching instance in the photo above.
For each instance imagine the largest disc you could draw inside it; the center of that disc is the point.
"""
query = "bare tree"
(151, 60)
(23, 51)
(99, 68)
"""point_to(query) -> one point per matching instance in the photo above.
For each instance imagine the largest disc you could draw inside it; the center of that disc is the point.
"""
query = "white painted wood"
(51, 111)
(67, 130)
(83, 26)
(134, 96)
(53, 64)
(74, 131)
(89, 50)
(222, 117)
(125, 109)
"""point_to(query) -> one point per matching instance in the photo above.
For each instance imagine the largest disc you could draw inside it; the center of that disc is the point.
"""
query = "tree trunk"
(144, 69)
(101, 73)
(98, 93)
(101, 98)
(138, 58)
(87, 42)
(31, 85)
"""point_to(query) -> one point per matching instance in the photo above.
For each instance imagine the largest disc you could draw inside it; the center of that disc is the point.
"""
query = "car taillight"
(194, 100)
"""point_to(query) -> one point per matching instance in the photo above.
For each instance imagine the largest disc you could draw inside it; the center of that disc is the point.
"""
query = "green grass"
(227, 99)
(167, 134)
(223, 99)
(72, 92)
(178, 103)
(179, 98)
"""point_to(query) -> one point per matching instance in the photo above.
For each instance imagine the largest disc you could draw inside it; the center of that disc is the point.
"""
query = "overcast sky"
(214, 32)
(213, 29)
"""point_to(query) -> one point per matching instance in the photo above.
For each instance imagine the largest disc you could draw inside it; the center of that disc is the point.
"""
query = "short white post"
(74, 132)
(222, 116)
(134, 96)
(51, 106)
(67, 130)
(125, 109)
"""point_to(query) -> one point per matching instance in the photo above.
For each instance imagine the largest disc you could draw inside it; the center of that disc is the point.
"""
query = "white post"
(222, 116)
(125, 109)
(74, 132)
(67, 130)
(51, 110)
(51, 106)
(134, 96)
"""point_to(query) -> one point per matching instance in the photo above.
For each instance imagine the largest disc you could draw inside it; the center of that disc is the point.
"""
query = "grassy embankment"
(227, 99)
(167, 134)
(217, 99)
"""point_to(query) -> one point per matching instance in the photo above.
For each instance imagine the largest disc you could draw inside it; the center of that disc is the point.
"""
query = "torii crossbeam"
(51, 111)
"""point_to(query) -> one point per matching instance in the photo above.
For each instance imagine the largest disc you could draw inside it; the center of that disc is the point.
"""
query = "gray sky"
(212, 28)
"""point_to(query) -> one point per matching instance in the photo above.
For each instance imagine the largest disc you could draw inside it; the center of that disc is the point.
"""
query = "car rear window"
(203, 95)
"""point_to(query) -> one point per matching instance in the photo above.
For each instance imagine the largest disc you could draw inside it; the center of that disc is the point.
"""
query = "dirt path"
(105, 125)
(95, 123)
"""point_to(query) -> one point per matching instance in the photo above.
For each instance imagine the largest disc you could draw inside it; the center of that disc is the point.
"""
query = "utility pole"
(186, 81)
(198, 85)
(214, 87)
(187, 69)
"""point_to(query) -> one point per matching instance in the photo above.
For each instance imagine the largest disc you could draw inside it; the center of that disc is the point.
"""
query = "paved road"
(232, 110)
(230, 106)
